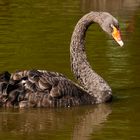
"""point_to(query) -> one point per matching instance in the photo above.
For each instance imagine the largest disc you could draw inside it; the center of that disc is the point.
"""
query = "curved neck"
(91, 81)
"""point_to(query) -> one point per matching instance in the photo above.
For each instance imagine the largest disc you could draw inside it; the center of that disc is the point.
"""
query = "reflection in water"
(36, 34)
(85, 121)
(110, 5)
(91, 122)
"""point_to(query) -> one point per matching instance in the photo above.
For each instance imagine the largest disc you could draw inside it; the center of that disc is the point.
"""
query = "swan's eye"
(115, 25)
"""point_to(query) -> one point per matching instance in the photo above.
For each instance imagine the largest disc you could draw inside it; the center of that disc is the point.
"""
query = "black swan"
(40, 88)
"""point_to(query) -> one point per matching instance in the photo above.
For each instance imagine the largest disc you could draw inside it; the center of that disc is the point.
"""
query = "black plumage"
(40, 88)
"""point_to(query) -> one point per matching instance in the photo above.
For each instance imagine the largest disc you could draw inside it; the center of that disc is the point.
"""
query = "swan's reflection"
(77, 122)
(91, 122)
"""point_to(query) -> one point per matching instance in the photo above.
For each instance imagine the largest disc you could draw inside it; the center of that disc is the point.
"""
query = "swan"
(41, 88)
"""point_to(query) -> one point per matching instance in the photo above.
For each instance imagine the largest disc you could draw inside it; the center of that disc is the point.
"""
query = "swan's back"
(36, 88)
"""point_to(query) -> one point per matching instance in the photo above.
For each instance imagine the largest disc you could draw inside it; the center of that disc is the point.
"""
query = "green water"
(35, 34)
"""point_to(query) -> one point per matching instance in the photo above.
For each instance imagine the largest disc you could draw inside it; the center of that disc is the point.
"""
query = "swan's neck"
(91, 81)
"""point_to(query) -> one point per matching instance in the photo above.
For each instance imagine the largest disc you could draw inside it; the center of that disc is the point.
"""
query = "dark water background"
(35, 34)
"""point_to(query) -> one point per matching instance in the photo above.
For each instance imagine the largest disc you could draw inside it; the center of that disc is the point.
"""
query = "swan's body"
(38, 88)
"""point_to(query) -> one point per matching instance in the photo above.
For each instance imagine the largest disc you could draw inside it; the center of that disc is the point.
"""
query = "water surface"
(36, 35)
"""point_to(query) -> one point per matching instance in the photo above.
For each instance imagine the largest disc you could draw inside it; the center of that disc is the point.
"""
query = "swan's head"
(110, 25)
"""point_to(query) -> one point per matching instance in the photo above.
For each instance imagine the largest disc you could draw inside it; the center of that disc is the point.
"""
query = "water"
(36, 35)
